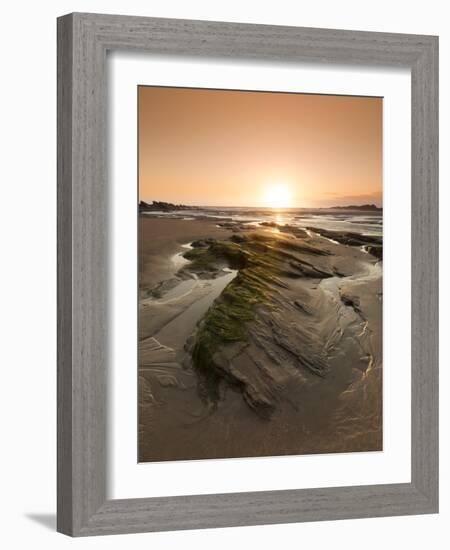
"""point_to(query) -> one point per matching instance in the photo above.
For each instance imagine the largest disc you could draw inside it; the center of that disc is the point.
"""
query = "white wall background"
(28, 271)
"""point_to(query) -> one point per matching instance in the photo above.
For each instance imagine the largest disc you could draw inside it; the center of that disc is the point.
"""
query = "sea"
(365, 222)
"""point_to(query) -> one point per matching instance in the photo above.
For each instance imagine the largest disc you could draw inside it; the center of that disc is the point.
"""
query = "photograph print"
(260, 250)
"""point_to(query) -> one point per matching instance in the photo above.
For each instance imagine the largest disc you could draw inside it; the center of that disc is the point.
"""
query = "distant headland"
(160, 206)
(357, 207)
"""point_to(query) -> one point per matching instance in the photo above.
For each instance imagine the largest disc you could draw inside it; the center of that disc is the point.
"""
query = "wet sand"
(307, 376)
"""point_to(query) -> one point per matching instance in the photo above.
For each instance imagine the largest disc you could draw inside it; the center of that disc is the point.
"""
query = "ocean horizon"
(365, 222)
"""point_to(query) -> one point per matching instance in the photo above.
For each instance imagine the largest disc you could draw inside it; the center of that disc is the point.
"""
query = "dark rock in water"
(375, 250)
(353, 239)
(269, 224)
(286, 228)
(227, 225)
(202, 243)
(351, 301)
(237, 238)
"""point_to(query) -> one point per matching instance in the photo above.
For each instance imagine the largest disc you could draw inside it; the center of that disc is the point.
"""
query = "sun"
(277, 195)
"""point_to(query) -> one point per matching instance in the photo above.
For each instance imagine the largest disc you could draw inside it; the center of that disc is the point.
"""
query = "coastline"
(305, 377)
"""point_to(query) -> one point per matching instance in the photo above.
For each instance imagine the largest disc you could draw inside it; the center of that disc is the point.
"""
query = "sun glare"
(277, 195)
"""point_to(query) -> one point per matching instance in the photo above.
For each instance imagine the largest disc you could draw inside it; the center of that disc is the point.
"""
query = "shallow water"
(175, 333)
(193, 296)
(356, 221)
(184, 288)
(178, 259)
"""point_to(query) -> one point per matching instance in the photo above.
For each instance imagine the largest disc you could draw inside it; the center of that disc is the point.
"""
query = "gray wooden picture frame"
(83, 41)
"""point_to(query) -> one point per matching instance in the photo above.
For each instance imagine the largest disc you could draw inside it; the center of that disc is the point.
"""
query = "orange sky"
(231, 148)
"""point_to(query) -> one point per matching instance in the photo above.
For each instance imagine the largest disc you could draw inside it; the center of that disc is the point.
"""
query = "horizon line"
(198, 205)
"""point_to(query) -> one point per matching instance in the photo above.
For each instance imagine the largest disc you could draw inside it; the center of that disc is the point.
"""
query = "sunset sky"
(231, 148)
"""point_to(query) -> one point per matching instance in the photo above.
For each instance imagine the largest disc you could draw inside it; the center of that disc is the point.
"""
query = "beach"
(257, 339)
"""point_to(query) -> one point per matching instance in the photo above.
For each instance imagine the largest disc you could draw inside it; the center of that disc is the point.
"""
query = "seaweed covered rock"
(263, 262)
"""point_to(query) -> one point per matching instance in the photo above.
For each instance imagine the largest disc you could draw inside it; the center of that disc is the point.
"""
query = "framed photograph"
(247, 274)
